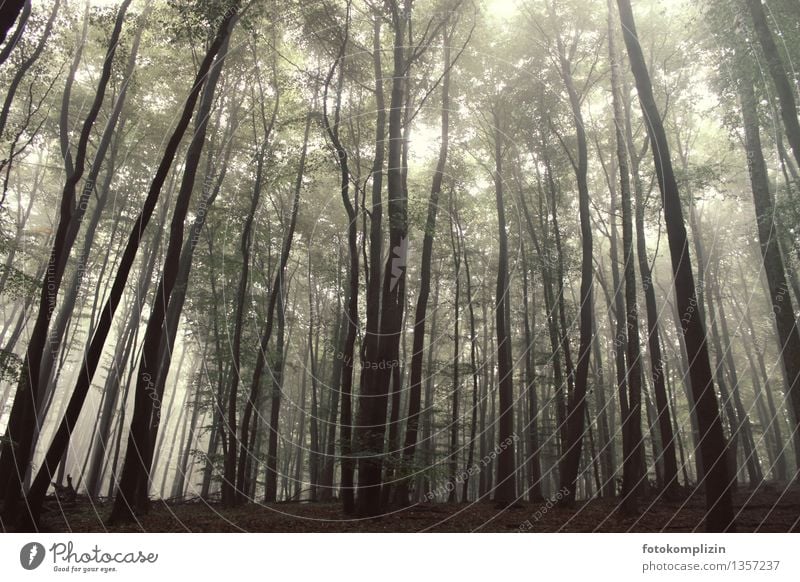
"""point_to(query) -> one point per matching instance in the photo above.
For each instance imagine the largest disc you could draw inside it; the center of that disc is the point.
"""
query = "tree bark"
(780, 298)
(373, 406)
(17, 446)
(719, 516)
(783, 86)
(505, 492)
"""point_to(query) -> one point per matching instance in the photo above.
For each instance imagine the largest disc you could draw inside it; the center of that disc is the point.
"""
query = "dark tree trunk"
(26, 65)
(744, 427)
(373, 407)
(11, 11)
(783, 85)
(452, 496)
(634, 476)
(719, 516)
(17, 444)
(271, 477)
(576, 404)
(95, 350)
(19, 11)
(234, 481)
(780, 298)
(505, 492)
(473, 360)
(665, 417)
(351, 316)
(534, 450)
(276, 296)
(420, 315)
(326, 485)
(133, 491)
(373, 275)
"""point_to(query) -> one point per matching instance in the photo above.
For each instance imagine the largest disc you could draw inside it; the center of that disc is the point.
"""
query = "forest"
(399, 265)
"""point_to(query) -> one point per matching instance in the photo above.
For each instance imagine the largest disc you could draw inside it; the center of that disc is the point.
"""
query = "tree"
(777, 71)
(780, 297)
(712, 447)
(16, 451)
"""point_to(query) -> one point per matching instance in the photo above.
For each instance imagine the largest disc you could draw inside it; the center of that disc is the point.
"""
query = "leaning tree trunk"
(19, 11)
(11, 11)
(20, 432)
(719, 508)
(780, 298)
(134, 484)
(634, 475)
(783, 86)
(95, 350)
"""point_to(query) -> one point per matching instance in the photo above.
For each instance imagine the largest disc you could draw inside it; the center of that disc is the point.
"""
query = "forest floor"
(768, 509)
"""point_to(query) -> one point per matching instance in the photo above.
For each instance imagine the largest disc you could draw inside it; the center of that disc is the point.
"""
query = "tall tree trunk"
(473, 361)
(421, 313)
(373, 406)
(452, 496)
(276, 296)
(17, 444)
(576, 405)
(351, 208)
(12, 9)
(133, 491)
(505, 492)
(327, 471)
(744, 429)
(17, 11)
(783, 86)
(534, 449)
(719, 508)
(634, 478)
(277, 377)
(780, 298)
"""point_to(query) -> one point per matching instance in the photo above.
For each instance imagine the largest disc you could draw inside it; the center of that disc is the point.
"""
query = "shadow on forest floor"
(768, 509)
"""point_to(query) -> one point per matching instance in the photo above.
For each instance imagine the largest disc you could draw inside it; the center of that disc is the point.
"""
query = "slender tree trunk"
(634, 477)
(372, 411)
(133, 491)
(351, 316)
(576, 405)
(17, 448)
(278, 288)
(744, 429)
(534, 449)
(783, 85)
(271, 478)
(780, 298)
(473, 360)
(719, 516)
(452, 496)
(421, 313)
(19, 11)
(505, 492)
